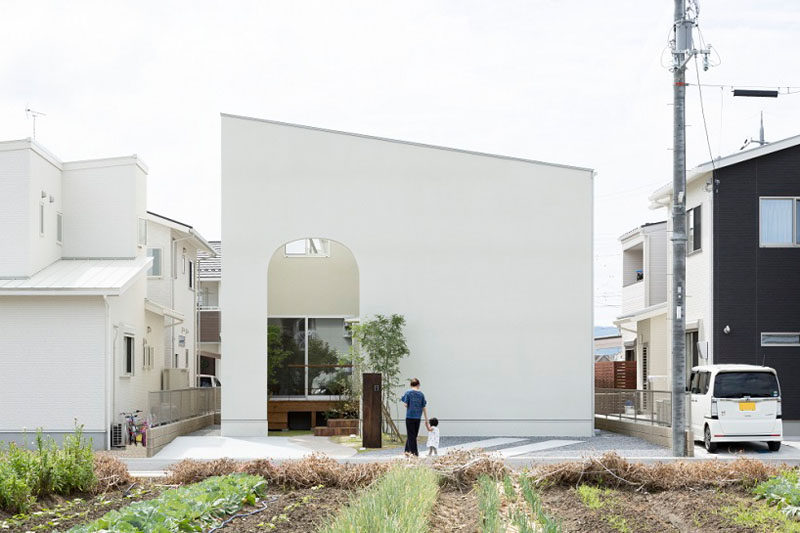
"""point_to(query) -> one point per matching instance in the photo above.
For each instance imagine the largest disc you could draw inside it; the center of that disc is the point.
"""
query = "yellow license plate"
(747, 406)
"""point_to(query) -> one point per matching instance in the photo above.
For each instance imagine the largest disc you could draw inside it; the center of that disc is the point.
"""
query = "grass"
(26, 475)
(760, 517)
(289, 433)
(190, 508)
(400, 502)
(500, 506)
(598, 499)
(387, 442)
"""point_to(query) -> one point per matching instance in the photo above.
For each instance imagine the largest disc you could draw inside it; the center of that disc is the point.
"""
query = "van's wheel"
(711, 447)
(774, 445)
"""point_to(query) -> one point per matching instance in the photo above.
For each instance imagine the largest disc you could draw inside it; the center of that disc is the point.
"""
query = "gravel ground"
(602, 441)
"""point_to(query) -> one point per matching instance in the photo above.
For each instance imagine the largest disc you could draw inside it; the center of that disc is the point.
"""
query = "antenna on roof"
(30, 113)
(760, 140)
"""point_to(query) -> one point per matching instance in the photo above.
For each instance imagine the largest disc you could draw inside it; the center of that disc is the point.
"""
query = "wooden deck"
(278, 411)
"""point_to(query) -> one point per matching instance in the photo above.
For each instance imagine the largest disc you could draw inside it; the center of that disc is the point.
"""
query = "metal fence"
(634, 405)
(170, 406)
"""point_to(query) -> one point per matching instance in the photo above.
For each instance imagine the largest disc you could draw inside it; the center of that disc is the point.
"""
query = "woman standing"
(415, 403)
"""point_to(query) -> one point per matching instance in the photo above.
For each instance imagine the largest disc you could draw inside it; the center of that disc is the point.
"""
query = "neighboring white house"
(172, 281)
(644, 308)
(489, 258)
(79, 336)
(209, 278)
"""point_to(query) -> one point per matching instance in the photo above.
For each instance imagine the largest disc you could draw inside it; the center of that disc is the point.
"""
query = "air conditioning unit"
(117, 436)
(175, 378)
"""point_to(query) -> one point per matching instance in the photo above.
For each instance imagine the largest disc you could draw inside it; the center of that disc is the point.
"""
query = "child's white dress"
(433, 438)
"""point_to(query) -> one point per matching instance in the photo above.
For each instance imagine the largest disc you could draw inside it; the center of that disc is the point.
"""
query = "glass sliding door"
(286, 356)
(304, 356)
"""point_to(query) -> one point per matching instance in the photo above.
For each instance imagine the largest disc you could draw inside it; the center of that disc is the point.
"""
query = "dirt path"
(455, 512)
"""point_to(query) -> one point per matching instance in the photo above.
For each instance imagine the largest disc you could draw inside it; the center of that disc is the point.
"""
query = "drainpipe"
(111, 373)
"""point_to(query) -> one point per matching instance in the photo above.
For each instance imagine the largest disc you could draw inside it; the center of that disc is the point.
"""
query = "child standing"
(433, 436)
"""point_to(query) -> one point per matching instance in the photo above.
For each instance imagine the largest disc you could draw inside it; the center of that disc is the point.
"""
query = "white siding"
(657, 266)
(52, 362)
(127, 314)
(15, 213)
(633, 297)
(102, 204)
(440, 236)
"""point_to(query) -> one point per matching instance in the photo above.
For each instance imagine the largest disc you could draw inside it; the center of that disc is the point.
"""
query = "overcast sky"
(575, 82)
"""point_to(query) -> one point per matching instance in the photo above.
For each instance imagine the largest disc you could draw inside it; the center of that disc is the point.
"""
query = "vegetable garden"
(69, 489)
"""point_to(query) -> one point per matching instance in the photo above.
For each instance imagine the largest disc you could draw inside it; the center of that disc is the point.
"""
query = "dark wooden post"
(371, 399)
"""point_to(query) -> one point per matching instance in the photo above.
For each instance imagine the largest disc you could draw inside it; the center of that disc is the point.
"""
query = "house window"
(308, 248)
(777, 217)
(41, 219)
(142, 237)
(128, 360)
(59, 228)
(191, 275)
(693, 221)
(780, 339)
(155, 267)
(148, 355)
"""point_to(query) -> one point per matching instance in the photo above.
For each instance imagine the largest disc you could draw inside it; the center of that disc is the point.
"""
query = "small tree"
(277, 354)
(384, 342)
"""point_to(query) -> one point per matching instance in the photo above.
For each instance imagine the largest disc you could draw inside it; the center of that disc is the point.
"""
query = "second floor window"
(777, 221)
(155, 267)
(693, 229)
(142, 232)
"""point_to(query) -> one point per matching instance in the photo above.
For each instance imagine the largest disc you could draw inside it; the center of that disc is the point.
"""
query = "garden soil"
(455, 512)
(668, 511)
(292, 511)
(58, 513)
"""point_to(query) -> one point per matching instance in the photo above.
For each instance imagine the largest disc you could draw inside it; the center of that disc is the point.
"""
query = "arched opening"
(312, 300)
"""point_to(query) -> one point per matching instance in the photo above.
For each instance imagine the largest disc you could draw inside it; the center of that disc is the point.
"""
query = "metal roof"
(79, 277)
(209, 267)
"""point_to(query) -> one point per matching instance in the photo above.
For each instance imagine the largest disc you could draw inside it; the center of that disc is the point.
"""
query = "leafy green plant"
(190, 508)
(399, 502)
(760, 517)
(489, 506)
(782, 491)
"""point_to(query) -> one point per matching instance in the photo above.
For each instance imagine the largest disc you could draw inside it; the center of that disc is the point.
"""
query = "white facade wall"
(24, 174)
(444, 237)
(109, 190)
(52, 364)
(127, 315)
(185, 303)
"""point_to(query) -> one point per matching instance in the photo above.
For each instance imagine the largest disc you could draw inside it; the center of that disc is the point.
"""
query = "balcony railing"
(168, 406)
(633, 297)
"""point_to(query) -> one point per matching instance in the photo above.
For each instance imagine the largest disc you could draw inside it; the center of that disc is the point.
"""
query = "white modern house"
(489, 258)
(82, 331)
(172, 282)
(644, 303)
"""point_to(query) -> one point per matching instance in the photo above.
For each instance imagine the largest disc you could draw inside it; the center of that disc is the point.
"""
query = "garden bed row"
(458, 492)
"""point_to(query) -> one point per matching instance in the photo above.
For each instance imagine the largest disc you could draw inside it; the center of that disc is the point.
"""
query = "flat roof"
(410, 143)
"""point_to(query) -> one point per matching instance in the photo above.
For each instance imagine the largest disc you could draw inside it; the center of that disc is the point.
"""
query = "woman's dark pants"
(412, 430)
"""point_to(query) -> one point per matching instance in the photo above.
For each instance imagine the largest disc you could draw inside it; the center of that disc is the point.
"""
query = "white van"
(736, 403)
(207, 380)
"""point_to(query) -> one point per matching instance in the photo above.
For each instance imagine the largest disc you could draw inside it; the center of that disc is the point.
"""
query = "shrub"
(782, 491)
(48, 469)
(191, 508)
(399, 503)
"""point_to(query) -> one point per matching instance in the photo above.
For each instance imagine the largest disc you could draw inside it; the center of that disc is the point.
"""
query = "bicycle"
(137, 430)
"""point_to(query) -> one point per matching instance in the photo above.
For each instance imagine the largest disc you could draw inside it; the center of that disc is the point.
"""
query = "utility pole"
(682, 51)
(683, 45)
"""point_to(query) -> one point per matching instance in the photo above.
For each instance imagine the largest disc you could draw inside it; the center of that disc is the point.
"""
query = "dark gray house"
(743, 264)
